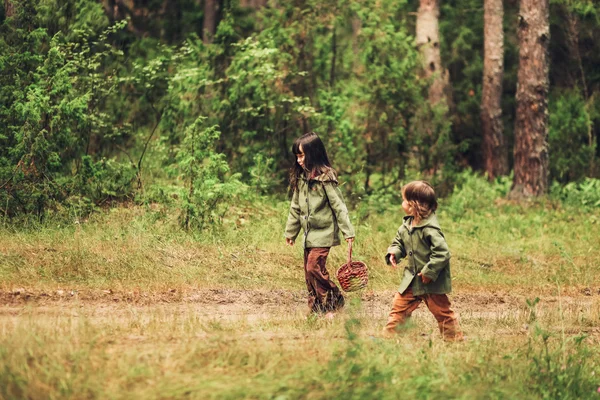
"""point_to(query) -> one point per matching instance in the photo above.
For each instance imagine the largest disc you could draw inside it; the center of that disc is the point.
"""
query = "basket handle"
(350, 252)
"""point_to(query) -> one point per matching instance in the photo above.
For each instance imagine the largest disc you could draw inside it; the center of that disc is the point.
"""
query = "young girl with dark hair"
(427, 274)
(318, 208)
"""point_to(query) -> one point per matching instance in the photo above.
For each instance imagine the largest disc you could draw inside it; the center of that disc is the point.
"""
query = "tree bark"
(210, 20)
(428, 42)
(494, 151)
(9, 9)
(356, 28)
(531, 124)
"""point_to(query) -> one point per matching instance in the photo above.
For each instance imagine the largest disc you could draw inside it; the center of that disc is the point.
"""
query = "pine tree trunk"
(494, 151)
(428, 41)
(531, 124)
(210, 19)
(356, 28)
(9, 8)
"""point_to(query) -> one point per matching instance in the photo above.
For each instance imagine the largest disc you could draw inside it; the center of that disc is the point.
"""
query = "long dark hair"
(315, 158)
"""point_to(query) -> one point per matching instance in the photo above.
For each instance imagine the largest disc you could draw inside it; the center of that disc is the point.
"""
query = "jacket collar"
(327, 175)
(430, 221)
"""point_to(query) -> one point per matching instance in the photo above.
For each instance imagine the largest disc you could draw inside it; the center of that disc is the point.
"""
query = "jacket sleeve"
(337, 204)
(440, 254)
(292, 227)
(396, 248)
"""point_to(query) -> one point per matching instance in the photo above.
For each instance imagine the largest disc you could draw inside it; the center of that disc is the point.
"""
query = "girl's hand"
(425, 279)
(393, 260)
(350, 240)
(289, 242)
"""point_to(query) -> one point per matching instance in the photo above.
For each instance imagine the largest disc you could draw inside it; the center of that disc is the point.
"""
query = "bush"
(580, 194)
(571, 145)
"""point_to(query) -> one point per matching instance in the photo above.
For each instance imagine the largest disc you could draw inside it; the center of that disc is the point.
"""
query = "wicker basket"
(353, 275)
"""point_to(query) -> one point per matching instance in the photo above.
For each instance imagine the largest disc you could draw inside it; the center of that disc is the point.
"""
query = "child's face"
(300, 156)
(406, 207)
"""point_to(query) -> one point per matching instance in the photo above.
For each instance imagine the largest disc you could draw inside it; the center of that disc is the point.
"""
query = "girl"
(318, 208)
(427, 275)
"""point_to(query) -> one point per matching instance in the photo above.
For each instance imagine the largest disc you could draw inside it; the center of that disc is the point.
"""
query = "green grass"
(180, 352)
(502, 246)
(126, 305)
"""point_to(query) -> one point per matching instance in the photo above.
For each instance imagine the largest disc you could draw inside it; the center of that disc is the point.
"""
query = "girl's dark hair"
(315, 158)
(421, 198)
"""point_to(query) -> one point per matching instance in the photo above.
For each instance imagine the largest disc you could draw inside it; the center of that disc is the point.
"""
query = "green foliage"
(75, 93)
(558, 364)
(472, 192)
(210, 188)
(571, 144)
(461, 45)
(580, 194)
(54, 118)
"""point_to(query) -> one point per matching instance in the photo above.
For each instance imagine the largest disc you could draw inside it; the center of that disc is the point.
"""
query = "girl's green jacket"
(318, 208)
(427, 251)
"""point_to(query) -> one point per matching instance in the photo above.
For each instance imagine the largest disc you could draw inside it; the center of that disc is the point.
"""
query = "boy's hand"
(425, 279)
(393, 260)
(350, 240)
(289, 242)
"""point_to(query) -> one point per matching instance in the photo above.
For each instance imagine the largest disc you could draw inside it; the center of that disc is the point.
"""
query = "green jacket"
(427, 251)
(319, 209)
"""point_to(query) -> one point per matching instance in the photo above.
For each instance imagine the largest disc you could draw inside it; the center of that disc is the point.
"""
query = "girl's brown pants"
(404, 304)
(323, 293)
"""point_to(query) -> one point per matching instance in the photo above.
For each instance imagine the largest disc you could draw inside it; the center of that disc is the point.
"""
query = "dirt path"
(256, 305)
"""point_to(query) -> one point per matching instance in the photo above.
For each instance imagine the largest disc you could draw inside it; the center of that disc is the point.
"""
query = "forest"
(145, 161)
(104, 103)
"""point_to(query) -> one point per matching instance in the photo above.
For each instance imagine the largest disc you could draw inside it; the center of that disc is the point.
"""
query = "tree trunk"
(210, 19)
(531, 124)
(494, 151)
(9, 9)
(428, 41)
(356, 28)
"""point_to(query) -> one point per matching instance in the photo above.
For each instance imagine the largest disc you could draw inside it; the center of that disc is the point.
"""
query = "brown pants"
(404, 304)
(323, 293)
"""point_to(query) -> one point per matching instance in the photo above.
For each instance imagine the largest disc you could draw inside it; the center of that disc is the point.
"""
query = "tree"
(495, 157)
(9, 8)
(531, 122)
(210, 20)
(428, 42)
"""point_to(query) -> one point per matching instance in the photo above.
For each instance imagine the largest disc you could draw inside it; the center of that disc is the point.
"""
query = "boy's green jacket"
(318, 208)
(427, 251)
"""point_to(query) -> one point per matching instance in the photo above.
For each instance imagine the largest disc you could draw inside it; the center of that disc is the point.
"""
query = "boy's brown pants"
(404, 304)
(323, 293)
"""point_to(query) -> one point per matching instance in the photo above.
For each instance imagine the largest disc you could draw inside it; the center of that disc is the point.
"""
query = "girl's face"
(300, 156)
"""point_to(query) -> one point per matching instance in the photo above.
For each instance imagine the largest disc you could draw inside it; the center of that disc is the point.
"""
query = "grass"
(501, 247)
(167, 351)
(126, 305)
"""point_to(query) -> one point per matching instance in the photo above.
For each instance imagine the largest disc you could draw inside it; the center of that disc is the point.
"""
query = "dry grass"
(249, 350)
(125, 305)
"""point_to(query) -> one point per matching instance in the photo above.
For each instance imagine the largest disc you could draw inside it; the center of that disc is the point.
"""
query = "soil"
(256, 305)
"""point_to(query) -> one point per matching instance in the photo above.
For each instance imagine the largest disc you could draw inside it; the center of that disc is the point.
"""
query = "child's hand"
(289, 242)
(425, 279)
(350, 240)
(393, 260)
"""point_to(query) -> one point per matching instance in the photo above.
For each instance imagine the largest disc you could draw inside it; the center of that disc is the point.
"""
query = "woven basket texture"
(353, 276)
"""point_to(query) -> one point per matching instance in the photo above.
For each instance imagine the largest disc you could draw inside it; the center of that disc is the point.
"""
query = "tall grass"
(233, 325)
(182, 352)
(496, 245)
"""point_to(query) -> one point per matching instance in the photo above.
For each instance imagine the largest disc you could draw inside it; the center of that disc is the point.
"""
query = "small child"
(427, 275)
(318, 208)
